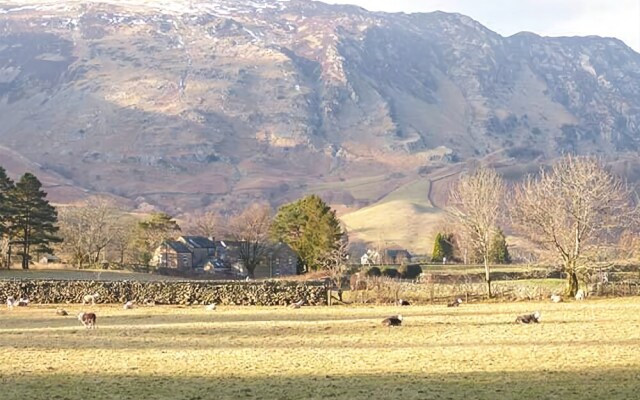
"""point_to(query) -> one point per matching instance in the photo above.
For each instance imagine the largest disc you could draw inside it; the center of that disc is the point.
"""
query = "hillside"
(183, 105)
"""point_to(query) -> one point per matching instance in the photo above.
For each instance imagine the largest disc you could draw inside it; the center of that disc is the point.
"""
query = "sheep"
(402, 302)
(11, 302)
(90, 298)
(394, 320)
(528, 318)
(149, 302)
(556, 298)
(62, 312)
(455, 303)
(580, 295)
(128, 305)
(23, 302)
(211, 307)
(297, 305)
(88, 320)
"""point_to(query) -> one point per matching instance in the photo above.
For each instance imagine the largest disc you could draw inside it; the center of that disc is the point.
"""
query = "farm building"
(202, 248)
(223, 257)
(173, 254)
(278, 260)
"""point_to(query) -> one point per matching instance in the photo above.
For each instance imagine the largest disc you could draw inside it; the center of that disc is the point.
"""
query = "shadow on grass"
(593, 385)
(271, 337)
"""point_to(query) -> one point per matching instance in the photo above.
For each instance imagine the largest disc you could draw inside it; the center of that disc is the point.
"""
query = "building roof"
(198, 242)
(179, 247)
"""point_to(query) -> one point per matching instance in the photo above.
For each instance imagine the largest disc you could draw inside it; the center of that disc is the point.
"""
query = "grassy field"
(581, 351)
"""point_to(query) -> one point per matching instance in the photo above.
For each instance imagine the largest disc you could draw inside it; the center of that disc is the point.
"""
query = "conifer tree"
(310, 227)
(442, 247)
(6, 184)
(32, 220)
(499, 252)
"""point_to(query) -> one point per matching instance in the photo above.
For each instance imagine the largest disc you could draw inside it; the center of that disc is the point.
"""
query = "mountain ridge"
(186, 105)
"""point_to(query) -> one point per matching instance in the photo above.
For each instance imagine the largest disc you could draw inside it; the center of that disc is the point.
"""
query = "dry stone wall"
(261, 293)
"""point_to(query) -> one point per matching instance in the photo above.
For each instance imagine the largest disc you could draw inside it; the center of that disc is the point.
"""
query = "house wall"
(201, 256)
(283, 262)
(174, 259)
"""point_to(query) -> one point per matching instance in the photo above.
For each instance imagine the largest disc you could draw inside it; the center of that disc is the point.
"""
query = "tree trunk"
(572, 283)
(25, 257)
(487, 276)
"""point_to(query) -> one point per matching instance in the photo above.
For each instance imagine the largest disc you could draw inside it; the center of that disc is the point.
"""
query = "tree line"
(96, 232)
(95, 229)
(573, 211)
(27, 220)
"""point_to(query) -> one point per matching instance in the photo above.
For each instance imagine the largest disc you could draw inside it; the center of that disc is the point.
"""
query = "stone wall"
(262, 293)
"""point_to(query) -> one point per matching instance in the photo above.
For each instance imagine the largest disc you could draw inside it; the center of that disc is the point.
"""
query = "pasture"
(579, 350)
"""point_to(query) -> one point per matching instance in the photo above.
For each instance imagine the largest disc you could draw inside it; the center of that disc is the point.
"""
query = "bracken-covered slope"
(189, 104)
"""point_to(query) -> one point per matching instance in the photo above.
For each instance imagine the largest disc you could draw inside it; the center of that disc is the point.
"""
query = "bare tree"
(476, 203)
(572, 211)
(88, 229)
(335, 262)
(250, 229)
(123, 235)
(204, 224)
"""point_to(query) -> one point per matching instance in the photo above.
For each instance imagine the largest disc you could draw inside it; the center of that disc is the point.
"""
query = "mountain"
(189, 104)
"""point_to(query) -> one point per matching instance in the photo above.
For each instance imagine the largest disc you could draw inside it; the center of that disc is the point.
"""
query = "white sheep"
(11, 301)
(128, 305)
(23, 302)
(90, 298)
(211, 307)
(297, 305)
(556, 298)
(580, 295)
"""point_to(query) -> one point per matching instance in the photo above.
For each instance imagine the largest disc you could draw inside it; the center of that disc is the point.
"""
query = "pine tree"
(310, 227)
(33, 220)
(499, 252)
(442, 247)
(6, 185)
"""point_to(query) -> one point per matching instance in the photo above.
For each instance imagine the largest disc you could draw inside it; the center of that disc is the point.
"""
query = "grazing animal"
(62, 312)
(455, 303)
(394, 320)
(528, 318)
(402, 302)
(128, 305)
(211, 307)
(556, 298)
(87, 319)
(297, 305)
(149, 302)
(11, 301)
(580, 295)
(23, 302)
(90, 298)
